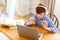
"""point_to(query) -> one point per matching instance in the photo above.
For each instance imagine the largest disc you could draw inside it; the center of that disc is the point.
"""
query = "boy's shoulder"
(46, 17)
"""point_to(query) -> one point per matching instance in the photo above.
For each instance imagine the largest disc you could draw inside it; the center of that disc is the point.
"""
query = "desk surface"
(13, 34)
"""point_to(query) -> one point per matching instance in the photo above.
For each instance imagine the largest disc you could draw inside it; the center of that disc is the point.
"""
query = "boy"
(41, 19)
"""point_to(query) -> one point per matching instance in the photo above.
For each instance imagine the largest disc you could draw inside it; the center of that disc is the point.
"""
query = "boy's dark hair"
(40, 10)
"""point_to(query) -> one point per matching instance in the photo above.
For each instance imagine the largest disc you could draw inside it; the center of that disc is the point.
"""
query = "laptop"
(29, 32)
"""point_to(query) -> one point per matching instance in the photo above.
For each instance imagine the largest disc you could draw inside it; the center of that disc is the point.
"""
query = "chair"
(54, 19)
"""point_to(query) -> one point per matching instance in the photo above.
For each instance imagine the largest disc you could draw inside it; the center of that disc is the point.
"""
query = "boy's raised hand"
(45, 24)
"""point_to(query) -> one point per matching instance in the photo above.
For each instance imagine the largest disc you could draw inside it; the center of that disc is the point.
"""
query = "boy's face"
(40, 15)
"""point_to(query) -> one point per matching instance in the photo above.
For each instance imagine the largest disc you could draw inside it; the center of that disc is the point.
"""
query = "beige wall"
(2, 2)
(26, 6)
(22, 7)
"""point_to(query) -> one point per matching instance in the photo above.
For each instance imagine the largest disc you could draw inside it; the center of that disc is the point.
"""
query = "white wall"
(11, 8)
(57, 9)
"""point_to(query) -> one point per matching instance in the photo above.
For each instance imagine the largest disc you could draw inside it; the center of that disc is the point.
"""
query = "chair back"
(54, 19)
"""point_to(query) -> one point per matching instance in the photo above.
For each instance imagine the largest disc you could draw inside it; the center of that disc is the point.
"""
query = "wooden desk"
(13, 34)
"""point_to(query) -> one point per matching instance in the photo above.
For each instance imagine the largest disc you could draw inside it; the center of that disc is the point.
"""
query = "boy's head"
(40, 11)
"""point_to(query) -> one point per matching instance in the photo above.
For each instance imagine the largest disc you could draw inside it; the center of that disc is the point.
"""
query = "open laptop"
(29, 32)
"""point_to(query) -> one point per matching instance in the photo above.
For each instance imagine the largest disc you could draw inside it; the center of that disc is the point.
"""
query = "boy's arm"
(49, 25)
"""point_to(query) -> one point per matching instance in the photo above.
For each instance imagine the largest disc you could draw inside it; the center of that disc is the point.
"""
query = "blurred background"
(21, 8)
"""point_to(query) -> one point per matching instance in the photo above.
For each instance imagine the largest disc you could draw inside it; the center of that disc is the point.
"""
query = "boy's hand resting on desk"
(31, 21)
(45, 25)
